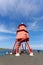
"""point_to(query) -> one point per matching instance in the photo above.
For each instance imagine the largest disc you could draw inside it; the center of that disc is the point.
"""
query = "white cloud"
(3, 29)
(38, 18)
(24, 7)
(6, 37)
(33, 26)
(37, 46)
(5, 6)
(36, 24)
(39, 23)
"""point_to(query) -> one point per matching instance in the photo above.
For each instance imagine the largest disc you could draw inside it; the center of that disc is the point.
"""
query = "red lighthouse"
(22, 36)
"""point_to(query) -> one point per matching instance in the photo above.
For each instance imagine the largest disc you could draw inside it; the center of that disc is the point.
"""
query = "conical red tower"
(22, 36)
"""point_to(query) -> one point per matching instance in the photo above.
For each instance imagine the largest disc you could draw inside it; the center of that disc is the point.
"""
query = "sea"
(8, 51)
(4, 52)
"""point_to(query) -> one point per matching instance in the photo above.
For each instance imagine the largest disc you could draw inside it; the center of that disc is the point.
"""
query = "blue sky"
(13, 13)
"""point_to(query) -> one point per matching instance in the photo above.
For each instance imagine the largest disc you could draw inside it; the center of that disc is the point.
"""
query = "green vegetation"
(3, 48)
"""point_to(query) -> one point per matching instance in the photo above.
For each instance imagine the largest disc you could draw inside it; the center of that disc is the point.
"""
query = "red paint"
(21, 36)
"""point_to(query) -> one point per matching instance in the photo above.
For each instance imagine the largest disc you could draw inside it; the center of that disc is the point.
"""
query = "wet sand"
(24, 59)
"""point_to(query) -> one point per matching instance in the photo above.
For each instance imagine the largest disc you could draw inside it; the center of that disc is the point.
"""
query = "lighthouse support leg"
(13, 50)
(29, 49)
(17, 49)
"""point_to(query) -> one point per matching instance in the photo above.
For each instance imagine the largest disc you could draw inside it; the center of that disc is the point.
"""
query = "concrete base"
(31, 54)
(11, 53)
(17, 54)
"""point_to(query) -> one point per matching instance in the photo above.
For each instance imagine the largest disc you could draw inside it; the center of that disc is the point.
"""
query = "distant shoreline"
(4, 48)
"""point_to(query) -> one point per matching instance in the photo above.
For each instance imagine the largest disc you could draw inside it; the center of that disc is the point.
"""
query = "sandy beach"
(24, 59)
